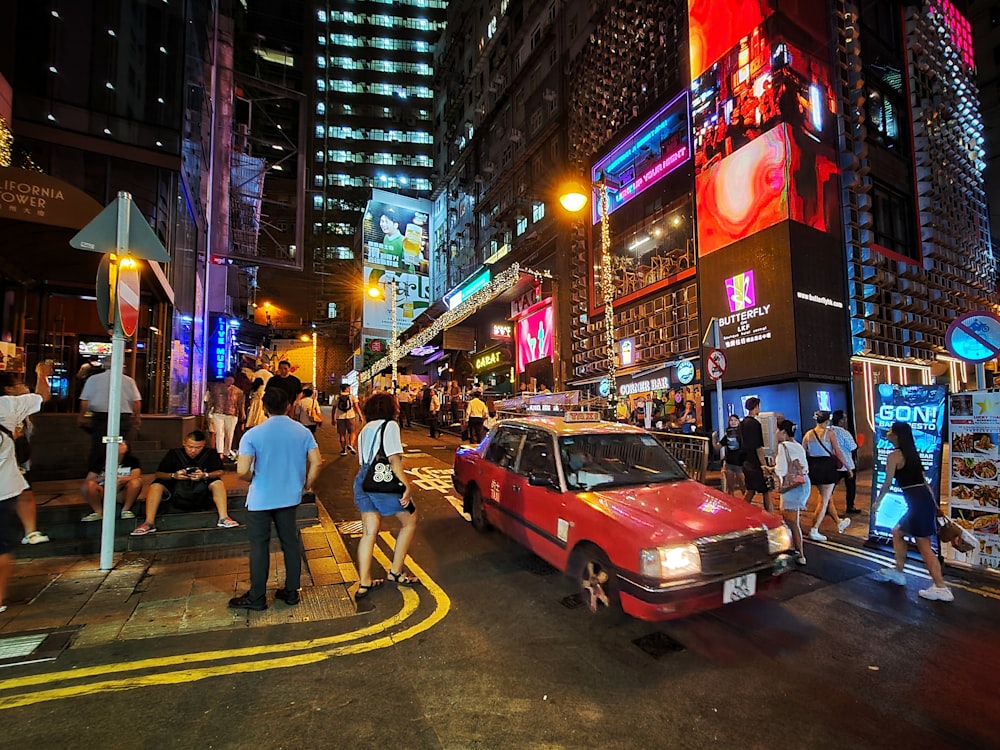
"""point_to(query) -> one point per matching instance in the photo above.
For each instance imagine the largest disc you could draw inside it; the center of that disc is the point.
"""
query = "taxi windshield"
(616, 460)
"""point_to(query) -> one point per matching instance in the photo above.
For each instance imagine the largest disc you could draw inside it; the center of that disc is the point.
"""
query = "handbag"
(315, 414)
(840, 464)
(795, 476)
(380, 477)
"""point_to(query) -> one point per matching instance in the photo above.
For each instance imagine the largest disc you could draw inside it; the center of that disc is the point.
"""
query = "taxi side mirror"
(544, 480)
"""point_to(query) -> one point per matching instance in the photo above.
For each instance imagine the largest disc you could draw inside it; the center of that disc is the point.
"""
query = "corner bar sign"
(715, 364)
(974, 337)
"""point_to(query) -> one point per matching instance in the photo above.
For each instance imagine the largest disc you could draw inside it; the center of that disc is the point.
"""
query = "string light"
(6, 142)
(482, 297)
(608, 289)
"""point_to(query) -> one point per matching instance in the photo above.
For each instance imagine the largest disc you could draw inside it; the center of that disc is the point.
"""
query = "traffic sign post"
(713, 339)
(123, 234)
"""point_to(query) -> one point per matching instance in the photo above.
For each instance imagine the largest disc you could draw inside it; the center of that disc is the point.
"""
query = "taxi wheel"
(479, 522)
(597, 580)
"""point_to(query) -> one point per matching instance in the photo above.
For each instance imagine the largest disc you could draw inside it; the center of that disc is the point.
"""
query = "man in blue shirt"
(279, 458)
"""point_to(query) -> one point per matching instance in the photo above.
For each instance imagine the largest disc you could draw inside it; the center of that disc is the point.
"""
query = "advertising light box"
(923, 408)
(412, 298)
(657, 148)
(533, 336)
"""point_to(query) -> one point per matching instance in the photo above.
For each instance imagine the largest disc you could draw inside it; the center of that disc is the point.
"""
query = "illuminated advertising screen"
(533, 336)
(763, 80)
(412, 298)
(775, 177)
(714, 26)
(922, 407)
(657, 148)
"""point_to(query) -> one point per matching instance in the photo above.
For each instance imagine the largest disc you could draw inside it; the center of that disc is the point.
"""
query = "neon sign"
(502, 331)
(658, 147)
(534, 337)
(489, 359)
(744, 312)
(218, 343)
(470, 287)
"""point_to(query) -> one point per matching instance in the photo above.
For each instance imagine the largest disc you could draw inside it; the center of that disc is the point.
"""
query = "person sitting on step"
(190, 477)
(129, 484)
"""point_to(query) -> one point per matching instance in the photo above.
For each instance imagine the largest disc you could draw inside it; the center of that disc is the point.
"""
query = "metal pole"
(113, 438)
(981, 377)
(720, 412)
(608, 289)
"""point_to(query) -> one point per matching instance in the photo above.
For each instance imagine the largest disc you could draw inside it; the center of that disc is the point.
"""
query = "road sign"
(974, 337)
(101, 234)
(715, 365)
(103, 290)
(128, 295)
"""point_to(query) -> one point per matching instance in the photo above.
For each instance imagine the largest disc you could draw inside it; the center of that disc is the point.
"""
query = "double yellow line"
(13, 692)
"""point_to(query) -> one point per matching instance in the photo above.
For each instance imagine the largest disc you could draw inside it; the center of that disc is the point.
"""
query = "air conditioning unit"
(549, 95)
(489, 167)
(516, 135)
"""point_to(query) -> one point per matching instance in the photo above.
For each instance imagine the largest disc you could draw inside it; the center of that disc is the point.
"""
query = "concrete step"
(177, 530)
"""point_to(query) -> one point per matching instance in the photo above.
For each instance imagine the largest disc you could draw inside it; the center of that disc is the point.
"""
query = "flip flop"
(402, 579)
(363, 591)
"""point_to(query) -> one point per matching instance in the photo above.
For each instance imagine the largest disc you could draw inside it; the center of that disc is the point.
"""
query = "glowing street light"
(376, 291)
(573, 197)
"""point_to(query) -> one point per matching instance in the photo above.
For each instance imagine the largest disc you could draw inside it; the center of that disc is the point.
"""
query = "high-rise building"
(370, 92)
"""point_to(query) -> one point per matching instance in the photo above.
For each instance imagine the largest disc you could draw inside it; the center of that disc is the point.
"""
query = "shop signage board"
(974, 474)
(685, 371)
(923, 408)
(715, 364)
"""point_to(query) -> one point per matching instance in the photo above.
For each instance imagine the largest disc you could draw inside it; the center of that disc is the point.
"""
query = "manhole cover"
(658, 645)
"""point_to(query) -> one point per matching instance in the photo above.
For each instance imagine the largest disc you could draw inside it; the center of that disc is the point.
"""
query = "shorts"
(823, 470)
(200, 501)
(753, 475)
(6, 524)
(920, 519)
(374, 502)
(345, 426)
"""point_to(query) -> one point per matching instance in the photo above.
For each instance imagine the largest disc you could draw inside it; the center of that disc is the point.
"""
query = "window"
(502, 450)
(892, 220)
(537, 211)
(520, 225)
(536, 121)
(538, 456)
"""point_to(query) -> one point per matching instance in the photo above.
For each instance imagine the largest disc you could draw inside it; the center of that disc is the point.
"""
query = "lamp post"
(573, 199)
(376, 292)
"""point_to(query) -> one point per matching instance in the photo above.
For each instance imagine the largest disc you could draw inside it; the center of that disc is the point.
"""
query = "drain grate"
(658, 645)
(36, 646)
(350, 528)
(573, 601)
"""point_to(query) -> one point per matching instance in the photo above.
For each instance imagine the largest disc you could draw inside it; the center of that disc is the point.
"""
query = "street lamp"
(375, 291)
(573, 198)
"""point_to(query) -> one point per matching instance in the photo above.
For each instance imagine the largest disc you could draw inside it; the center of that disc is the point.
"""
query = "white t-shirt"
(97, 391)
(368, 440)
(13, 411)
(477, 408)
(785, 453)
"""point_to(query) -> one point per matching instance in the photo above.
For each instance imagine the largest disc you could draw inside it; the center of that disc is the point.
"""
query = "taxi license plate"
(741, 587)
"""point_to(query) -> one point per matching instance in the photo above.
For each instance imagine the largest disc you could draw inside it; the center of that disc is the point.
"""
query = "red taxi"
(607, 504)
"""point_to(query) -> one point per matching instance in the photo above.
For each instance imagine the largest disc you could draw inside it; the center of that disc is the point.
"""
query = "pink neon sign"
(533, 337)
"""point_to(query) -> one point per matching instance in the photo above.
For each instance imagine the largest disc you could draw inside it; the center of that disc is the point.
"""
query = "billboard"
(714, 26)
(779, 298)
(923, 408)
(533, 336)
(654, 150)
(395, 251)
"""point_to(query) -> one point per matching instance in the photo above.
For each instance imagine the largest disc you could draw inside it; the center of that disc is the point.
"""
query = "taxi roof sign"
(582, 416)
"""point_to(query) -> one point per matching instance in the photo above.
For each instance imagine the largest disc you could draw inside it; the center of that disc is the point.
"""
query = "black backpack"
(344, 403)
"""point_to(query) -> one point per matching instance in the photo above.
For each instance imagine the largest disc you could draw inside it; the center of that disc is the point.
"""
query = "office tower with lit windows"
(372, 91)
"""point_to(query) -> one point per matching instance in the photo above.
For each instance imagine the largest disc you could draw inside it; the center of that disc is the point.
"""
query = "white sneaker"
(800, 559)
(892, 575)
(937, 593)
(816, 536)
(842, 526)
(95, 516)
(127, 514)
(35, 537)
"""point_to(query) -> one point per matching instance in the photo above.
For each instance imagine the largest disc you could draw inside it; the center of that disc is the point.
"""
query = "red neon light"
(533, 335)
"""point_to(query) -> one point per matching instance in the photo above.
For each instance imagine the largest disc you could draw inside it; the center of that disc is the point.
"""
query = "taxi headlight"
(674, 561)
(779, 539)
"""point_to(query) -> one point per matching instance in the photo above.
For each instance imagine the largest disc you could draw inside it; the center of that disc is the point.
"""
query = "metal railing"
(691, 450)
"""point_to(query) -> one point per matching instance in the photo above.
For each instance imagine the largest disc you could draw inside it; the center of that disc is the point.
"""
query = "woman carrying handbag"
(380, 452)
(792, 481)
(825, 460)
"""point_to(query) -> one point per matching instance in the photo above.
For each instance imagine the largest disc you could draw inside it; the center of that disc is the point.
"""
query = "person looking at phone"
(190, 477)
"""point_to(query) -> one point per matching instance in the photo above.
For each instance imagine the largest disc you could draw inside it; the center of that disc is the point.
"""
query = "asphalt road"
(492, 653)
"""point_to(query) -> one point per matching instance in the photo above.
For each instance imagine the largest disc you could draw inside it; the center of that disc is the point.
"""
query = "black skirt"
(823, 470)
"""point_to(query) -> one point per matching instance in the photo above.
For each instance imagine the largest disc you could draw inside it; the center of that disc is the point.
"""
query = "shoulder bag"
(796, 474)
(840, 464)
(380, 477)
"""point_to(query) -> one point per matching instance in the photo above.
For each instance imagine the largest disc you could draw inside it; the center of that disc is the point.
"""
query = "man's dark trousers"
(259, 532)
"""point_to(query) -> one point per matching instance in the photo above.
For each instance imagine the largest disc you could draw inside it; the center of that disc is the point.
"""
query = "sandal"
(362, 591)
(402, 579)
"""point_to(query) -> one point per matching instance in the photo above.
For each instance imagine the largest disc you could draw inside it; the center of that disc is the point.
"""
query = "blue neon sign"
(218, 347)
